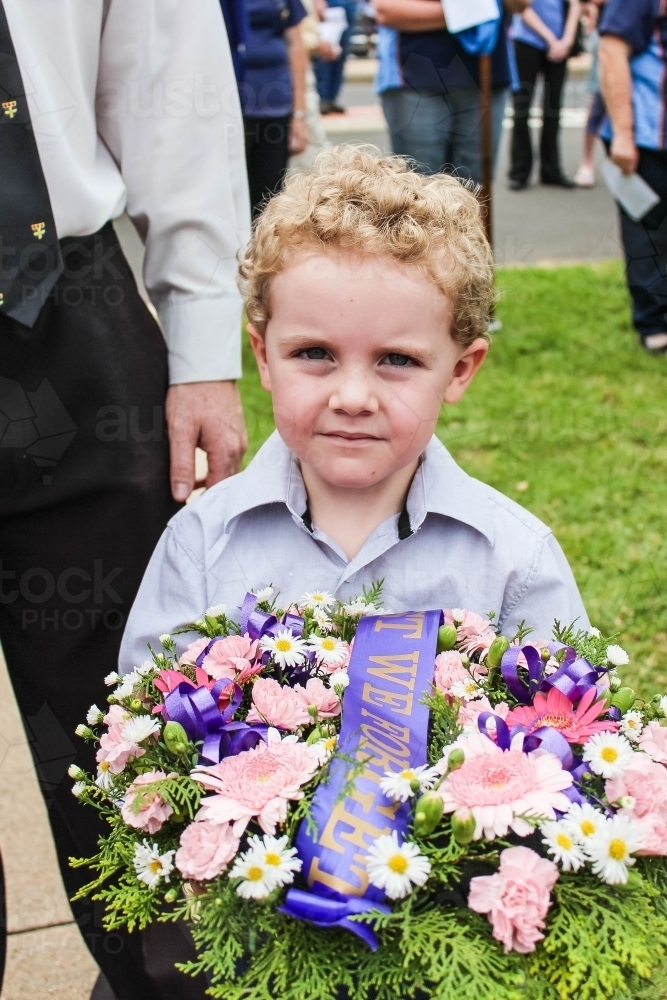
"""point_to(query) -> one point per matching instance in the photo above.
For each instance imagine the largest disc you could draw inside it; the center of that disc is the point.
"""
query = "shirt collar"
(440, 486)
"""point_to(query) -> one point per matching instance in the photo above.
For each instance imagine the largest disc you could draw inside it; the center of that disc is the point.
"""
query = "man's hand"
(624, 153)
(208, 415)
(559, 50)
(298, 136)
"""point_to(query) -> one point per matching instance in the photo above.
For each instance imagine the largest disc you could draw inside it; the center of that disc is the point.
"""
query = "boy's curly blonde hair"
(358, 201)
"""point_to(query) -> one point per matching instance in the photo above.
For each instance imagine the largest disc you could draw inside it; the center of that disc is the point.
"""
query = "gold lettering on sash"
(390, 667)
(360, 829)
(400, 704)
(417, 626)
(38, 229)
(9, 107)
(317, 874)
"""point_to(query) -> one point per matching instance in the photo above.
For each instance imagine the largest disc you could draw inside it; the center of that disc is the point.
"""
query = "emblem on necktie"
(9, 107)
(38, 229)
(2, 299)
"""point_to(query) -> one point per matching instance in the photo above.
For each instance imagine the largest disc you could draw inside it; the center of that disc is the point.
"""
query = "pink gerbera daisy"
(557, 711)
(500, 787)
(257, 783)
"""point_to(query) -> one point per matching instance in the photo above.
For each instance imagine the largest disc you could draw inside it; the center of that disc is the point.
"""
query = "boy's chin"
(348, 475)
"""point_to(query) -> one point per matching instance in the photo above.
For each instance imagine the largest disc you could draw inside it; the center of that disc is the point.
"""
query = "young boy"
(368, 290)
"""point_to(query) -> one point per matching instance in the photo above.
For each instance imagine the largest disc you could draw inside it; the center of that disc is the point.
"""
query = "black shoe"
(516, 185)
(561, 181)
(326, 107)
(338, 109)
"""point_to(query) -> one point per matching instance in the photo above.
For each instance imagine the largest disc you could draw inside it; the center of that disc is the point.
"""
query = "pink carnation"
(470, 711)
(316, 694)
(653, 831)
(116, 750)
(448, 671)
(232, 658)
(278, 705)
(206, 850)
(501, 786)
(115, 714)
(192, 651)
(257, 783)
(653, 741)
(475, 634)
(646, 782)
(149, 812)
(516, 898)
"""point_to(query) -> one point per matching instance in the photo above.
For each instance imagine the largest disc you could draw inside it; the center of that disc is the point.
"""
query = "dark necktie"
(30, 258)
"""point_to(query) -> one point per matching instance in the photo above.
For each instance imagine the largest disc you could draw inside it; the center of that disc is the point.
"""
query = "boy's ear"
(465, 369)
(259, 350)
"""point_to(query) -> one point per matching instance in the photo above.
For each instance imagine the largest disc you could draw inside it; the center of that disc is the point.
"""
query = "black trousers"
(84, 497)
(645, 248)
(530, 62)
(267, 153)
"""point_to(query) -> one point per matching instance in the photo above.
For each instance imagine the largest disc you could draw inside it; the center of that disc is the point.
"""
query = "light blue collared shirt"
(469, 547)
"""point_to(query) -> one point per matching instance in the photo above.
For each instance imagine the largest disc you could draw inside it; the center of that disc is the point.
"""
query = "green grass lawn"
(569, 418)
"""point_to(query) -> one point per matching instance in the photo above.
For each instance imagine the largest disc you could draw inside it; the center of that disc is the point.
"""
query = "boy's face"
(358, 357)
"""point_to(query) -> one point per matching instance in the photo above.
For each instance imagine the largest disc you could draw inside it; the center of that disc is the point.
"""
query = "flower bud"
(428, 813)
(85, 732)
(313, 712)
(76, 772)
(175, 739)
(136, 705)
(415, 785)
(316, 735)
(497, 650)
(463, 826)
(446, 638)
(624, 699)
(171, 895)
(455, 760)
(545, 655)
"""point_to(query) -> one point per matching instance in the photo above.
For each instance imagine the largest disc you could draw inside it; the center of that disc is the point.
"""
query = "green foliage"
(443, 727)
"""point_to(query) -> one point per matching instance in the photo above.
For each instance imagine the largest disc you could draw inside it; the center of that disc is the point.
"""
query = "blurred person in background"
(273, 94)
(585, 175)
(316, 47)
(105, 407)
(544, 36)
(434, 117)
(329, 73)
(633, 71)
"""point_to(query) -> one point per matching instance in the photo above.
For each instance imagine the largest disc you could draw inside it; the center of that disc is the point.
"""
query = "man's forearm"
(536, 24)
(298, 61)
(410, 15)
(616, 84)
(570, 29)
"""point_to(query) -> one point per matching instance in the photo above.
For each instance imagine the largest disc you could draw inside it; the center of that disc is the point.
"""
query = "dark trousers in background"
(84, 497)
(329, 73)
(530, 62)
(645, 248)
(267, 153)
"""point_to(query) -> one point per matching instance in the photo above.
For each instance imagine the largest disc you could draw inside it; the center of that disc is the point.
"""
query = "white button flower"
(610, 849)
(265, 594)
(140, 728)
(216, 611)
(104, 779)
(397, 785)
(632, 724)
(617, 656)
(595, 632)
(94, 715)
(467, 690)
(396, 867)
(317, 599)
(277, 856)
(339, 680)
(78, 788)
(286, 649)
(150, 865)
(329, 651)
(563, 845)
(608, 754)
(584, 821)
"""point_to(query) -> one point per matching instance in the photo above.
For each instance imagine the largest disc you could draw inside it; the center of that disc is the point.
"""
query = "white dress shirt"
(471, 547)
(135, 108)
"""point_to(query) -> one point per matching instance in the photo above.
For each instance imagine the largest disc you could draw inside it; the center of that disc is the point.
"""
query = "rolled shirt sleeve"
(631, 20)
(168, 110)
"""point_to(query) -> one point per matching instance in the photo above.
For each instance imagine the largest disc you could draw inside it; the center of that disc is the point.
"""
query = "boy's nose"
(354, 395)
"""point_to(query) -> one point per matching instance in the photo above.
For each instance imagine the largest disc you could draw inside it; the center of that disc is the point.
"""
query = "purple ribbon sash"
(385, 728)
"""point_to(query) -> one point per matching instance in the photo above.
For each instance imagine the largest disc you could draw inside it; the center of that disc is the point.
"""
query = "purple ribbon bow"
(333, 910)
(574, 677)
(545, 737)
(196, 709)
(258, 623)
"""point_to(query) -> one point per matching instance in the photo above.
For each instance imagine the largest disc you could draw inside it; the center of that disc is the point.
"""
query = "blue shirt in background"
(266, 91)
(552, 12)
(389, 67)
(643, 25)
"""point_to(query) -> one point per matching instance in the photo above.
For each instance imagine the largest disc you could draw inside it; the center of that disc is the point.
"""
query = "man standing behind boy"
(633, 75)
(368, 291)
(107, 105)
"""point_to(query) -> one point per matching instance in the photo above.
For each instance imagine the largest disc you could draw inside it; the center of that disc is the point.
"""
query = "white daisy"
(165, 638)
(467, 690)
(216, 611)
(595, 632)
(617, 656)
(325, 748)
(84, 732)
(277, 856)
(265, 594)
(329, 651)
(104, 779)
(76, 772)
(112, 678)
(258, 878)
(147, 667)
(78, 788)
(610, 849)
(150, 865)
(563, 845)
(608, 754)
(94, 715)
(140, 728)
(663, 704)
(321, 619)
(286, 649)
(338, 681)
(632, 724)
(317, 599)
(359, 607)
(397, 785)
(396, 868)
(128, 684)
(584, 821)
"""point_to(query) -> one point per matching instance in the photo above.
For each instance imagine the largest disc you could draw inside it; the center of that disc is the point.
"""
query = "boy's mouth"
(349, 436)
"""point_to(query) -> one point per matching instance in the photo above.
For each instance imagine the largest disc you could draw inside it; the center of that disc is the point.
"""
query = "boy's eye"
(314, 353)
(399, 360)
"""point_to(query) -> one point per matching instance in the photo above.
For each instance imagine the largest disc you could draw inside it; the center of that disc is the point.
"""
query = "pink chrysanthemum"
(499, 787)
(556, 710)
(257, 783)
(475, 634)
